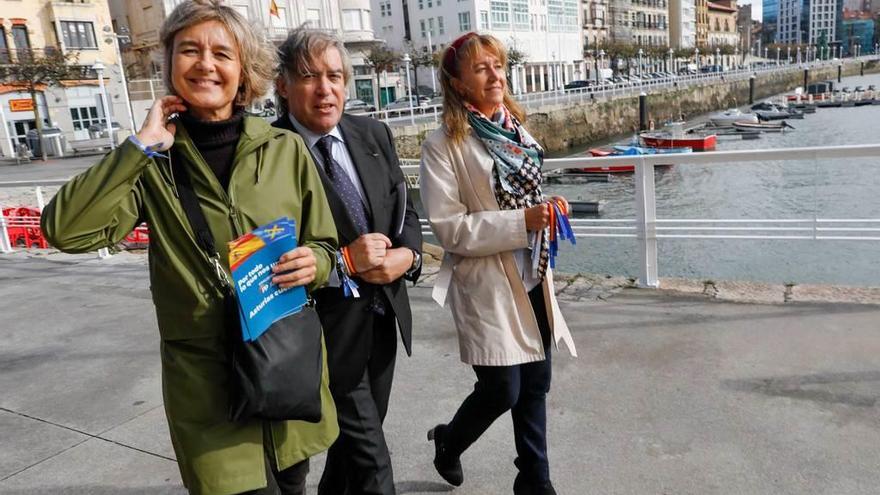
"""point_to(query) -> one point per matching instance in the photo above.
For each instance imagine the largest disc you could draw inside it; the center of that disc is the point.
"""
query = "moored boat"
(628, 151)
(763, 126)
(729, 116)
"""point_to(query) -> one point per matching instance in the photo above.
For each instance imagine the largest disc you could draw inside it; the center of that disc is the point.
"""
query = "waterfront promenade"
(673, 392)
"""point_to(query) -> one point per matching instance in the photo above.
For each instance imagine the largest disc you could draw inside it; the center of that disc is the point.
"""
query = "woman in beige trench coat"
(481, 187)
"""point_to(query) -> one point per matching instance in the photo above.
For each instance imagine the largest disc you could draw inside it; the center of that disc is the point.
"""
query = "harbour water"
(840, 188)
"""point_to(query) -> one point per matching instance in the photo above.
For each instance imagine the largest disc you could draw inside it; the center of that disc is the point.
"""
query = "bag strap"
(190, 203)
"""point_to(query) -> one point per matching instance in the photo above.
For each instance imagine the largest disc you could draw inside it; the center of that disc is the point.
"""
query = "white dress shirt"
(337, 150)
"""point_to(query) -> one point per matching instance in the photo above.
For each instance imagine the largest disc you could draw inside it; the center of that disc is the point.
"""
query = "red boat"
(666, 140)
(609, 169)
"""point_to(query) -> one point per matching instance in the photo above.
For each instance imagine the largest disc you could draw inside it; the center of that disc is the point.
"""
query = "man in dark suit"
(381, 238)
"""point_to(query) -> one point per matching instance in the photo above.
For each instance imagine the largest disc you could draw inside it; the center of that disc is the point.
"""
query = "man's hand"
(396, 263)
(368, 251)
(295, 268)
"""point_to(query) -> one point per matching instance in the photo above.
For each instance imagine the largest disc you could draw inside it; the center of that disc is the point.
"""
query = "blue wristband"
(147, 150)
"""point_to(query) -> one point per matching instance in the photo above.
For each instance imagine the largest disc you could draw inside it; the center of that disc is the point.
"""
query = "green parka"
(272, 176)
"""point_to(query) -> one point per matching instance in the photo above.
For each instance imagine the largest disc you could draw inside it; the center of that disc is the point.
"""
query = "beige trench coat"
(479, 277)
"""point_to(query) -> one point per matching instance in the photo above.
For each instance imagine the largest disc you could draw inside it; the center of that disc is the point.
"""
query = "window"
(20, 37)
(431, 27)
(422, 25)
(500, 14)
(4, 49)
(440, 28)
(421, 4)
(430, 4)
(351, 20)
(313, 18)
(78, 34)
(484, 19)
(83, 117)
(464, 21)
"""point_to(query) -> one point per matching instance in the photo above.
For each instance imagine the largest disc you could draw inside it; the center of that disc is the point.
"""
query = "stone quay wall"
(561, 126)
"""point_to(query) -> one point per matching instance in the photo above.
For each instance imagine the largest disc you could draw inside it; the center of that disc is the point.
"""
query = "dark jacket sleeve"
(98, 207)
(411, 236)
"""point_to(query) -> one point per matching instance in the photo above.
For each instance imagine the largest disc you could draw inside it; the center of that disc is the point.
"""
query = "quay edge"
(559, 127)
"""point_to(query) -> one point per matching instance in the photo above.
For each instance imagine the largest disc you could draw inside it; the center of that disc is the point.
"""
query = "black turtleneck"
(216, 141)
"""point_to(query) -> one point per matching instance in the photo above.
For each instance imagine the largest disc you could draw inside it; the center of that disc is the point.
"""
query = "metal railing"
(647, 228)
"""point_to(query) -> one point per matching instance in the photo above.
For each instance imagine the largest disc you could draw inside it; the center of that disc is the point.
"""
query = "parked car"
(358, 106)
(578, 84)
(401, 106)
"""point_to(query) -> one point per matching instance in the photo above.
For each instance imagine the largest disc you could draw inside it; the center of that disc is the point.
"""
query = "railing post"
(41, 203)
(5, 244)
(646, 225)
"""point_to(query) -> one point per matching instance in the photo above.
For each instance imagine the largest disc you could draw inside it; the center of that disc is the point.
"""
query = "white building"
(823, 19)
(548, 32)
(351, 20)
(682, 24)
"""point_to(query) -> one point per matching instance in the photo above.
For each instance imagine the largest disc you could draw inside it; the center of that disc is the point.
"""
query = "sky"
(756, 8)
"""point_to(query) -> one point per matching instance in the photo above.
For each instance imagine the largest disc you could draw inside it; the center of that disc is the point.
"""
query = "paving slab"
(673, 393)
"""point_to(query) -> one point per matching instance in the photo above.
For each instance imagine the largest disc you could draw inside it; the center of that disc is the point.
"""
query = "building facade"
(548, 33)
(858, 30)
(769, 19)
(596, 18)
(83, 29)
(640, 22)
(702, 23)
(682, 23)
(351, 20)
(793, 25)
(744, 27)
(722, 24)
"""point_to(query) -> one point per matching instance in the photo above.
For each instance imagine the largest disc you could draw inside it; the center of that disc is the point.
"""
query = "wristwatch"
(416, 264)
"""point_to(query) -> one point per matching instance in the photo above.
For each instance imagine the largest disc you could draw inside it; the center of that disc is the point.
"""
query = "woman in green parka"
(245, 173)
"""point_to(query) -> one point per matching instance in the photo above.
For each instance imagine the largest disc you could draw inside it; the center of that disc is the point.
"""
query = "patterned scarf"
(517, 172)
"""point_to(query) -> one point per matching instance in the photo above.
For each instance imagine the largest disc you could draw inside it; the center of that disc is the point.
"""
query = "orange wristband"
(348, 261)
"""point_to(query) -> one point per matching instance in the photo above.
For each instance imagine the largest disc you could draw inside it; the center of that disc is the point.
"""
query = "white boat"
(728, 117)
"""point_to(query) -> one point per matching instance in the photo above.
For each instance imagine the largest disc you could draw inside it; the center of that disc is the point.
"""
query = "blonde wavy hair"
(257, 57)
(458, 53)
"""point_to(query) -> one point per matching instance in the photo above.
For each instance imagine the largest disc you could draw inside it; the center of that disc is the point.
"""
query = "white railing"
(647, 228)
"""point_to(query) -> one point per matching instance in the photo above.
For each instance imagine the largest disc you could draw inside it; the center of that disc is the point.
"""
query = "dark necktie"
(344, 186)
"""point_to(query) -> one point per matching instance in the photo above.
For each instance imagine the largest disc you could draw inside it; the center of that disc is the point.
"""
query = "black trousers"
(291, 481)
(522, 390)
(359, 463)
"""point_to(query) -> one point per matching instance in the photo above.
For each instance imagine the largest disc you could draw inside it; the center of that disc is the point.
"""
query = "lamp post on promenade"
(98, 67)
(717, 57)
(641, 52)
(406, 61)
(671, 68)
(697, 58)
(766, 49)
(778, 51)
(113, 37)
(788, 55)
(799, 55)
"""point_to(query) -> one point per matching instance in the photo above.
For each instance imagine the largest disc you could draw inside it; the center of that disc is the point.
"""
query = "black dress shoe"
(447, 465)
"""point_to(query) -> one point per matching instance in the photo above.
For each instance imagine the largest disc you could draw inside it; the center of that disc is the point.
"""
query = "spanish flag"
(273, 9)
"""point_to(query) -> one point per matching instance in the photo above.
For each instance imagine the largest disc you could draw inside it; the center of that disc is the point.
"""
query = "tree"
(516, 56)
(381, 59)
(35, 71)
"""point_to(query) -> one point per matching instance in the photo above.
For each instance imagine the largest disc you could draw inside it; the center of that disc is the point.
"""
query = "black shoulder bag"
(278, 375)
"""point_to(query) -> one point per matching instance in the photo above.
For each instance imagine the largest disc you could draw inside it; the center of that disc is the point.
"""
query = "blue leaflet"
(252, 256)
(561, 230)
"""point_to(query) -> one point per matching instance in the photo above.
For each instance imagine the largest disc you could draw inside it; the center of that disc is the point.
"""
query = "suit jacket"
(371, 146)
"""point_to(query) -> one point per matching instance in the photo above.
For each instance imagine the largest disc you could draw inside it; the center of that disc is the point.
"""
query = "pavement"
(673, 392)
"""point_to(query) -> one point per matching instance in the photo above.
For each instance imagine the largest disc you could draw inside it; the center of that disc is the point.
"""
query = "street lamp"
(717, 56)
(406, 61)
(766, 48)
(601, 62)
(697, 58)
(641, 52)
(798, 54)
(114, 38)
(788, 54)
(98, 67)
(670, 68)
